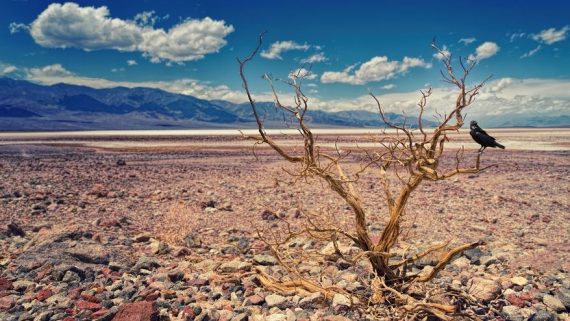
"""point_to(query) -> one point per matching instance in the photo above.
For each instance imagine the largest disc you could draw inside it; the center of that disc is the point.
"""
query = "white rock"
(276, 317)
(340, 299)
(484, 289)
(275, 300)
(553, 303)
(519, 280)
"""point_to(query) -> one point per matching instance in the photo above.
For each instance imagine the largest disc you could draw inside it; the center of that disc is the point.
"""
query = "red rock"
(86, 305)
(42, 273)
(5, 284)
(69, 319)
(515, 300)
(90, 298)
(75, 293)
(99, 314)
(44, 294)
(99, 190)
(6, 303)
(520, 299)
(137, 311)
(152, 296)
(256, 299)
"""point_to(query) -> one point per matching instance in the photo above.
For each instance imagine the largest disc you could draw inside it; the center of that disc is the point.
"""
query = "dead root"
(404, 306)
(298, 286)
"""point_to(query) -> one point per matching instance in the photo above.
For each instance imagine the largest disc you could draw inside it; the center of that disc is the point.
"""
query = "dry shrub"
(176, 224)
(404, 159)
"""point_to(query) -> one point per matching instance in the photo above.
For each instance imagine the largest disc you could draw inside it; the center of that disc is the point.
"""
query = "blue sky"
(383, 46)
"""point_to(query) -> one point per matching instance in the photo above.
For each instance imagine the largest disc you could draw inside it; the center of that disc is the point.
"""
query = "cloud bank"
(375, 69)
(90, 28)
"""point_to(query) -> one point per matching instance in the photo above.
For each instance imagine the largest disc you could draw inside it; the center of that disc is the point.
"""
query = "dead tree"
(412, 156)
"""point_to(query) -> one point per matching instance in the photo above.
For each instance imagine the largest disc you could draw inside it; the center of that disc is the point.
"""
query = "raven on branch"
(482, 138)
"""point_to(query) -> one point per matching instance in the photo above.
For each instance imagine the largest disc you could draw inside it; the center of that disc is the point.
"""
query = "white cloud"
(89, 28)
(532, 52)
(443, 54)
(132, 62)
(550, 36)
(303, 73)
(53, 74)
(318, 57)
(376, 69)
(16, 27)
(146, 18)
(467, 41)
(501, 98)
(7, 69)
(486, 50)
(515, 36)
(388, 86)
(279, 47)
(48, 72)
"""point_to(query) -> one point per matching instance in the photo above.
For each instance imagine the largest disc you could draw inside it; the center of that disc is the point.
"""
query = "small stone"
(512, 313)
(15, 230)
(340, 299)
(44, 294)
(312, 301)
(5, 284)
(70, 277)
(176, 275)
(234, 266)
(44, 316)
(143, 237)
(158, 247)
(553, 303)
(484, 289)
(240, 317)
(6, 303)
(265, 259)
(519, 280)
(121, 162)
(116, 266)
(22, 285)
(268, 215)
(137, 311)
(474, 255)
(542, 315)
(210, 210)
(193, 240)
(275, 300)
(487, 260)
(564, 296)
(86, 305)
(461, 263)
(276, 317)
(254, 300)
(146, 263)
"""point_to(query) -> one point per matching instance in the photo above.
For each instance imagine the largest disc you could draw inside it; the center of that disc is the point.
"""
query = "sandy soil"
(520, 207)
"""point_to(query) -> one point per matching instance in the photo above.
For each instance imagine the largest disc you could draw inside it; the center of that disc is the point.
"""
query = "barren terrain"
(111, 189)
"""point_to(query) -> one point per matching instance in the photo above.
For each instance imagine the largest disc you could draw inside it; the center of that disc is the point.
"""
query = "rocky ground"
(170, 234)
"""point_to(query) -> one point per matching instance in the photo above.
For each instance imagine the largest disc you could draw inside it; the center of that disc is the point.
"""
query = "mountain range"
(26, 106)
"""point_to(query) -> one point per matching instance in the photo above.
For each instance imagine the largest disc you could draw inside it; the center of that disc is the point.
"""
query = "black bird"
(482, 138)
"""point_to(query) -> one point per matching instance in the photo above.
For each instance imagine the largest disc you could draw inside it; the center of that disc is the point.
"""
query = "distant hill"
(25, 106)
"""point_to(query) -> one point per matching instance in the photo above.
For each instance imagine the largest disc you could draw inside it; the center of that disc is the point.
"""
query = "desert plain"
(165, 225)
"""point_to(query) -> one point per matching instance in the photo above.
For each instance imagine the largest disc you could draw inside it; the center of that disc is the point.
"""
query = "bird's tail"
(500, 146)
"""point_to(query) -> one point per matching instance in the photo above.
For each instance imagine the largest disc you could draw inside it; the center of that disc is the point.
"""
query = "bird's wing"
(484, 139)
